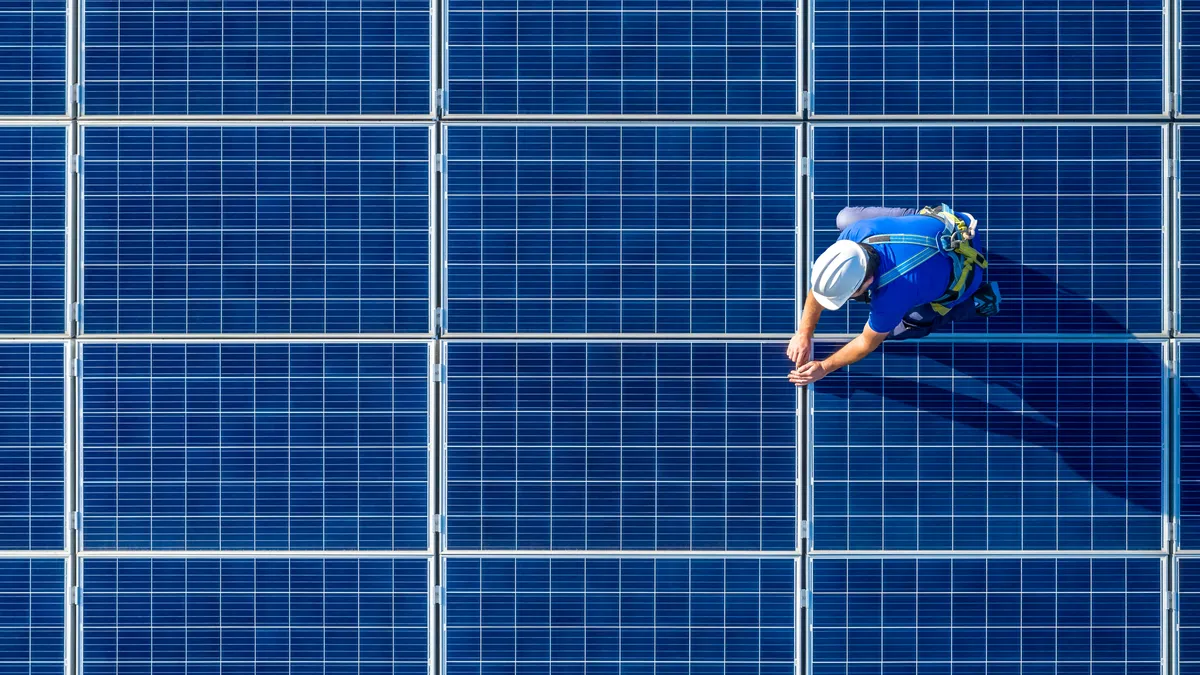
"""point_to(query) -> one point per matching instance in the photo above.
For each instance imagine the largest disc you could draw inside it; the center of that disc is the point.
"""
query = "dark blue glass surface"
(240, 229)
(33, 57)
(618, 446)
(971, 57)
(1070, 217)
(33, 239)
(620, 615)
(32, 621)
(256, 615)
(987, 615)
(991, 447)
(32, 446)
(280, 446)
(621, 229)
(632, 57)
(269, 57)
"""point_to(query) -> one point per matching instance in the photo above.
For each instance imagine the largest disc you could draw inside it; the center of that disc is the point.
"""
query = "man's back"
(923, 285)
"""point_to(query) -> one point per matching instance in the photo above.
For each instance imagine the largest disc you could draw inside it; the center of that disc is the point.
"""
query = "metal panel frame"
(189, 124)
(431, 405)
(1165, 140)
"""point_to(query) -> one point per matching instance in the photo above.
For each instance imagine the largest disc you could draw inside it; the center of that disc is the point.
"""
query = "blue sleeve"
(889, 308)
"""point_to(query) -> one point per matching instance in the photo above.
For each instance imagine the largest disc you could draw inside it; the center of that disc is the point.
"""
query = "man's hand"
(808, 373)
(800, 349)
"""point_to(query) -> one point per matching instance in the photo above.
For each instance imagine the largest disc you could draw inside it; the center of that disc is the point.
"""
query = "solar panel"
(32, 616)
(958, 446)
(289, 615)
(32, 446)
(33, 200)
(625, 615)
(632, 57)
(1188, 522)
(1002, 57)
(620, 446)
(242, 229)
(236, 446)
(270, 57)
(1071, 216)
(1187, 64)
(987, 615)
(33, 57)
(1187, 198)
(621, 229)
(1187, 588)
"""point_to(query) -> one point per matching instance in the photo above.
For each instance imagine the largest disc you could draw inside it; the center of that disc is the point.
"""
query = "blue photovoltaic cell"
(33, 57)
(32, 447)
(284, 446)
(634, 229)
(620, 446)
(1188, 222)
(1006, 615)
(1071, 217)
(33, 200)
(609, 615)
(1188, 590)
(269, 57)
(32, 616)
(1188, 522)
(611, 57)
(257, 615)
(240, 229)
(994, 57)
(961, 446)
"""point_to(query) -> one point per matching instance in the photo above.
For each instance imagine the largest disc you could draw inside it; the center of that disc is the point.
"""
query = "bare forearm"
(809, 316)
(852, 352)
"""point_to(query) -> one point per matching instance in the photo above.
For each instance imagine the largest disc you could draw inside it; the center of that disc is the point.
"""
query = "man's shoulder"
(886, 225)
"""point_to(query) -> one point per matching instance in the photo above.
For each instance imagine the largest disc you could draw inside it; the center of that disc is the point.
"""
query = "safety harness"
(954, 243)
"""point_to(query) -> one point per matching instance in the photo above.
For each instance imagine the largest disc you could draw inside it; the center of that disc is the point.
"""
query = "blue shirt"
(923, 285)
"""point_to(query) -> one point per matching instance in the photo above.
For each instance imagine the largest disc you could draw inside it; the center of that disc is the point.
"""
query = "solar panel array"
(390, 337)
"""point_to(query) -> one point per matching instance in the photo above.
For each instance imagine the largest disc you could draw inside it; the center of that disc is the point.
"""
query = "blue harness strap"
(951, 244)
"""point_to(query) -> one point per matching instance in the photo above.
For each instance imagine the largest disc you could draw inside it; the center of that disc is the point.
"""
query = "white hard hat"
(838, 273)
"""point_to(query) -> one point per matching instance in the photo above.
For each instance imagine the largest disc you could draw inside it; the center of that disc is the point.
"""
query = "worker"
(916, 270)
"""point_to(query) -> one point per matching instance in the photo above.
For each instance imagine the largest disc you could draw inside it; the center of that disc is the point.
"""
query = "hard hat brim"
(829, 303)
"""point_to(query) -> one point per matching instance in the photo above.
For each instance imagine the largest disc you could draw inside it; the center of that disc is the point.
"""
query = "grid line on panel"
(371, 57)
(1103, 613)
(366, 614)
(621, 58)
(620, 613)
(241, 229)
(620, 446)
(620, 229)
(988, 58)
(1187, 621)
(1071, 217)
(938, 447)
(1187, 480)
(302, 446)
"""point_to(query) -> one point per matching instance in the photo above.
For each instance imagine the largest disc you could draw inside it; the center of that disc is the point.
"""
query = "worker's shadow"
(1059, 410)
